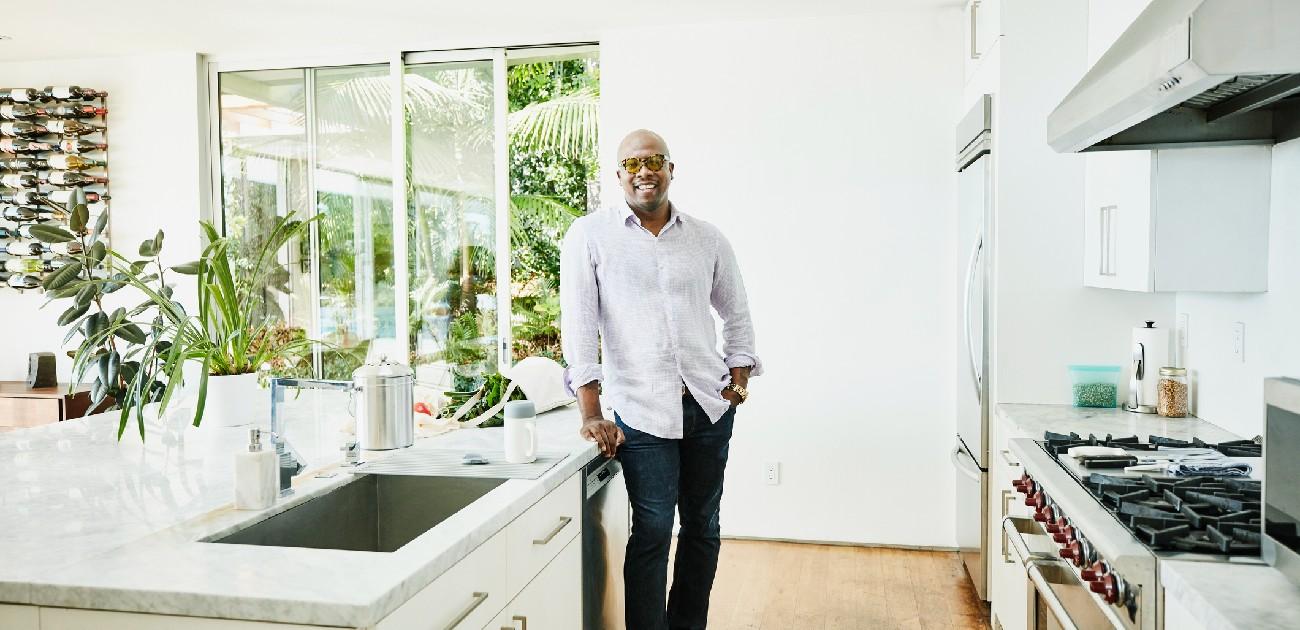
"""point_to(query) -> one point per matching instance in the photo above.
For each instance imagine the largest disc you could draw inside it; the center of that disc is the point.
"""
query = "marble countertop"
(87, 521)
(1034, 420)
(1232, 596)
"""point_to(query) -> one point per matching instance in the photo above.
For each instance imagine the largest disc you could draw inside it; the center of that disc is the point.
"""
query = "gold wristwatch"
(740, 391)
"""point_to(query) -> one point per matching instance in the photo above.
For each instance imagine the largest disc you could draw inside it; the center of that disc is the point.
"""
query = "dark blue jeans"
(662, 474)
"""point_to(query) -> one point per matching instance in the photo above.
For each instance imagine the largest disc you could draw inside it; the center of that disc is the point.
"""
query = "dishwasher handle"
(601, 475)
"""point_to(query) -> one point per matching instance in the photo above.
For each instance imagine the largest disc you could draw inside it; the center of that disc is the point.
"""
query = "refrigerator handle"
(971, 269)
(961, 466)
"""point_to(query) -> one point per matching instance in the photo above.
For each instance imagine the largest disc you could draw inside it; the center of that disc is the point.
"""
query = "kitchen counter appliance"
(1281, 542)
(1092, 547)
(606, 525)
(970, 453)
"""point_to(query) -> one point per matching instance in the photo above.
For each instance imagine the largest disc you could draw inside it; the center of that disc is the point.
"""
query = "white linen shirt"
(634, 314)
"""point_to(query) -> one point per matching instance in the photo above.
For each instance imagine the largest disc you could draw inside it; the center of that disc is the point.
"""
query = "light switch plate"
(772, 473)
(1239, 341)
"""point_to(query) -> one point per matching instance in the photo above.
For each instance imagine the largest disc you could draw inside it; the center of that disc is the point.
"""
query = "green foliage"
(493, 389)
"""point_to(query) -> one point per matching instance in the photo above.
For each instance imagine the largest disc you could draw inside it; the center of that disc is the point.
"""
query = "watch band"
(740, 391)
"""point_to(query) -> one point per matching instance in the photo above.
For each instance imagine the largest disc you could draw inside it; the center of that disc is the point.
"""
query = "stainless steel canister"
(384, 399)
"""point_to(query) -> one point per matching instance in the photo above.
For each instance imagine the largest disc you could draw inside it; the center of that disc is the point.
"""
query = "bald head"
(646, 189)
(642, 138)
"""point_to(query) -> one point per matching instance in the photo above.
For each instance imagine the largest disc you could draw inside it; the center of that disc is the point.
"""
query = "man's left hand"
(732, 397)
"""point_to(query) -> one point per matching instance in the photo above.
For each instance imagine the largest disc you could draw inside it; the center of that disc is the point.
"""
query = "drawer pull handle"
(479, 598)
(564, 522)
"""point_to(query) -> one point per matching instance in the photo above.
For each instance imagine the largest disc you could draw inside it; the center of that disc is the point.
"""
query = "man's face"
(645, 190)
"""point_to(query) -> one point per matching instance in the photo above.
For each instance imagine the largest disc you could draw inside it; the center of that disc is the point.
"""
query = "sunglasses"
(653, 162)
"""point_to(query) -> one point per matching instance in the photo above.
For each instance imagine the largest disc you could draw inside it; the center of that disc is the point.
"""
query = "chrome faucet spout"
(291, 463)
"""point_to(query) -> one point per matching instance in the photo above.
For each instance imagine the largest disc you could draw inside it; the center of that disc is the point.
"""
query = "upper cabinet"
(1178, 219)
(982, 31)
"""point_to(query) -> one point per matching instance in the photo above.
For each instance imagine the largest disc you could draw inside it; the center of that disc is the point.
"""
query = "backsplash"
(1226, 390)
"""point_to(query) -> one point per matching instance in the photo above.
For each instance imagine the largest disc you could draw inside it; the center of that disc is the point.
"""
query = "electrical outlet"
(1180, 347)
(772, 473)
(1239, 341)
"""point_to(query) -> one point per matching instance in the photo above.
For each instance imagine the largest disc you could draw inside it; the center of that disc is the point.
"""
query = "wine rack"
(53, 140)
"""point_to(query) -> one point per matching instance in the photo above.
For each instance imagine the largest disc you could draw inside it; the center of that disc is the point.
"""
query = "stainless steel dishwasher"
(606, 523)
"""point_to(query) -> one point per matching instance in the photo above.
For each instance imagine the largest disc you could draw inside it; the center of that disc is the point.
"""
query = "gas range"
(1110, 527)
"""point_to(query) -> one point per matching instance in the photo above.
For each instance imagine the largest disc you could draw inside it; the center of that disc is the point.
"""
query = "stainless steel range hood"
(1189, 73)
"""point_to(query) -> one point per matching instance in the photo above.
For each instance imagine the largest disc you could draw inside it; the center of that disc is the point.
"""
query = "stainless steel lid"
(385, 373)
(1173, 371)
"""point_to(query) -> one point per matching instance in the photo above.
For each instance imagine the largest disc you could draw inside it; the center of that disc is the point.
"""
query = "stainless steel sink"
(371, 513)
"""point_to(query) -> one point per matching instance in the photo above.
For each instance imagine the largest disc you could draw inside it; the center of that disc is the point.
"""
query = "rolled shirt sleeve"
(579, 310)
(729, 300)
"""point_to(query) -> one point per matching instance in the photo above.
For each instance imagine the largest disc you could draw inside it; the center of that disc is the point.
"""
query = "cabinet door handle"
(974, 30)
(564, 522)
(522, 620)
(1007, 495)
(1006, 457)
(478, 598)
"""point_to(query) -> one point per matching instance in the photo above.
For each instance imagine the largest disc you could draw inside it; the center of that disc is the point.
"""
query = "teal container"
(1095, 385)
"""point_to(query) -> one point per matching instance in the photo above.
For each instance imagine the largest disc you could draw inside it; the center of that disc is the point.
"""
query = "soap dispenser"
(255, 475)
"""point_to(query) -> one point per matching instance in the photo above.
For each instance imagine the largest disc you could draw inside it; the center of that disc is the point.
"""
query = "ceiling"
(251, 27)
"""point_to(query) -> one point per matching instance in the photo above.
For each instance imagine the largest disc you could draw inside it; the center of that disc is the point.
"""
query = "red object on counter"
(423, 408)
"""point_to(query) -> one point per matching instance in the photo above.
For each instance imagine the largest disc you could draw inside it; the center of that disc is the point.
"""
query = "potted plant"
(224, 336)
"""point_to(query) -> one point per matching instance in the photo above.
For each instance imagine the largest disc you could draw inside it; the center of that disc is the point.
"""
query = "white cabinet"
(540, 533)
(983, 27)
(1177, 219)
(465, 596)
(19, 617)
(1007, 592)
(553, 599)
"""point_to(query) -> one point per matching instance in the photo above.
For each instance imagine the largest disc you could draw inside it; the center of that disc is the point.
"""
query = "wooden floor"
(789, 586)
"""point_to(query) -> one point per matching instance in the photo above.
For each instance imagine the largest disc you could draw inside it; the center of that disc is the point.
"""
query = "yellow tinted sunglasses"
(653, 162)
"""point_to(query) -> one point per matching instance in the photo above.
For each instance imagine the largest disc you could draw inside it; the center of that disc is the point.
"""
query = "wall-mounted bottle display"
(53, 142)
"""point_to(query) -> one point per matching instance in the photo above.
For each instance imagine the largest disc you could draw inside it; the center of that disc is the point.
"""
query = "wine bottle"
(72, 127)
(14, 145)
(19, 180)
(77, 145)
(36, 248)
(25, 198)
(25, 213)
(19, 95)
(64, 196)
(23, 129)
(70, 93)
(25, 164)
(23, 281)
(19, 112)
(73, 111)
(69, 178)
(65, 162)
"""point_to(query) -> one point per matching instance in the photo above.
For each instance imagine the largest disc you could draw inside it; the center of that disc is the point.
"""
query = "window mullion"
(401, 273)
(502, 189)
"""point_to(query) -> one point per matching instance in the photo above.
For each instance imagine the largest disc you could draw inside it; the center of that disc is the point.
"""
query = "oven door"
(1054, 598)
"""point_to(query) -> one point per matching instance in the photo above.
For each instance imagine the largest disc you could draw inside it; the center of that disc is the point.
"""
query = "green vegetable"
(494, 388)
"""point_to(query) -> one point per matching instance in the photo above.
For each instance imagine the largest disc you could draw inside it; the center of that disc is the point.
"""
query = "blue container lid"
(1094, 368)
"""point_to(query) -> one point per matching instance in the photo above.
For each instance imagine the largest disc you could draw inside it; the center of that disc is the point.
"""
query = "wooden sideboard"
(22, 407)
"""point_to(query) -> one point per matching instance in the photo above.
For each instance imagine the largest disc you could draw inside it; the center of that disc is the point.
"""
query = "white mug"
(521, 432)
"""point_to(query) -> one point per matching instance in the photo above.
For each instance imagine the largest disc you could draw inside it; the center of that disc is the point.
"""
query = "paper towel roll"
(1155, 351)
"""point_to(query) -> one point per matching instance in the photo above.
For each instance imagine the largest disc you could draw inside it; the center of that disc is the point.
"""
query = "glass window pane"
(353, 178)
(553, 180)
(451, 222)
(264, 175)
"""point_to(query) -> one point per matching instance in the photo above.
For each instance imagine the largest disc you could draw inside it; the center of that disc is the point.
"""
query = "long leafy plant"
(224, 336)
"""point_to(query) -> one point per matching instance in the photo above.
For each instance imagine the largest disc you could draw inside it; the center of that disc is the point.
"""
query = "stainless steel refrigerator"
(970, 450)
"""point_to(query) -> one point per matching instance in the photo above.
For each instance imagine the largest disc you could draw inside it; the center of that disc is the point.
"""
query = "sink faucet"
(291, 463)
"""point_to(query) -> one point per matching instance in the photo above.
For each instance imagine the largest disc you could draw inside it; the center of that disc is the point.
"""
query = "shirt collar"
(631, 218)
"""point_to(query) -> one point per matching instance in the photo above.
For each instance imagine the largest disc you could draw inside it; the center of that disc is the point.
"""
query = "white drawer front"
(542, 531)
(468, 595)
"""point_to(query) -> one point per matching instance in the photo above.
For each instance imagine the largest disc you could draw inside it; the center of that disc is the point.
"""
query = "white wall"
(154, 169)
(823, 148)
(1225, 391)
(1045, 318)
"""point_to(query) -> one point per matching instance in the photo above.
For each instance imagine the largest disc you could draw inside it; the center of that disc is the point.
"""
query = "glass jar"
(1172, 392)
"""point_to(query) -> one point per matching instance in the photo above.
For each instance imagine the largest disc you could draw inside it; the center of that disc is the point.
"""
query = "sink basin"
(371, 513)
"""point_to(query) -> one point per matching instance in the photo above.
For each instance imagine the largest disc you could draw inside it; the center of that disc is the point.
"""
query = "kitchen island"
(91, 522)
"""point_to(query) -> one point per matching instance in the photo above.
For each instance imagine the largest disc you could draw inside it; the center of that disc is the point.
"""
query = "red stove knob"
(1095, 571)
(1064, 537)
(1023, 483)
(1073, 552)
(1107, 586)
(1037, 499)
(1056, 526)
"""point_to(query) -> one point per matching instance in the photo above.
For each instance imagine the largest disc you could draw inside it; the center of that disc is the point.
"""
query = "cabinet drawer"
(468, 595)
(29, 412)
(542, 531)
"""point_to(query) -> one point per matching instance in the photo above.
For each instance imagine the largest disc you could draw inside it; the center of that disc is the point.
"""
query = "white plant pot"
(234, 401)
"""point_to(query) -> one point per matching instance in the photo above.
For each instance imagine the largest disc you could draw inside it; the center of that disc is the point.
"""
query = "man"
(636, 284)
